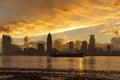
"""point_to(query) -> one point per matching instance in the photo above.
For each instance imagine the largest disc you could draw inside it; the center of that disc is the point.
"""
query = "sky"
(70, 19)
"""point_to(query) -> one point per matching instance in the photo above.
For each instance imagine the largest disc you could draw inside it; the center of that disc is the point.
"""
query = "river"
(85, 63)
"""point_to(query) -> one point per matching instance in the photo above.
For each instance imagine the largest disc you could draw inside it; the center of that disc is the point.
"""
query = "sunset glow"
(54, 16)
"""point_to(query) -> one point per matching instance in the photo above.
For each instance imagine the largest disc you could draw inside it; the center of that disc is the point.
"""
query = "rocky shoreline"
(57, 74)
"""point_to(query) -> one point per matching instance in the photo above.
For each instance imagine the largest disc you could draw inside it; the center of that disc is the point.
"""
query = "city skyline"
(64, 21)
(59, 39)
(52, 48)
(62, 41)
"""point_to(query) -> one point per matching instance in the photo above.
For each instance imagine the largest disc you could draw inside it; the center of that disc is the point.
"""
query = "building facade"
(41, 48)
(71, 46)
(6, 44)
(84, 47)
(49, 43)
(91, 47)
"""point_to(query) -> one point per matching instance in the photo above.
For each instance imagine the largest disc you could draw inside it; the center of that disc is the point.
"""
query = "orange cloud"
(61, 9)
(66, 12)
(5, 29)
(117, 3)
(38, 17)
(114, 32)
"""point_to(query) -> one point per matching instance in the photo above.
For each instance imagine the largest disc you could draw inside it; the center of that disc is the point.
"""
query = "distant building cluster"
(72, 47)
(11, 49)
(8, 48)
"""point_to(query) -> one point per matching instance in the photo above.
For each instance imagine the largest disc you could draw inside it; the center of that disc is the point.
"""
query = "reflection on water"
(71, 63)
(81, 63)
(6, 61)
(49, 62)
(89, 63)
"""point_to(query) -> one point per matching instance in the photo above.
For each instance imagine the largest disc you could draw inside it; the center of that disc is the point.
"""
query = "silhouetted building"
(84, 47)
(41, 48)
(8, 48)
(77, 45)
(6, 44)
(49, 43)
(109, 48)
(71, 46)
(30, 51)
(15, 49)
(58, 44)
(91, 48)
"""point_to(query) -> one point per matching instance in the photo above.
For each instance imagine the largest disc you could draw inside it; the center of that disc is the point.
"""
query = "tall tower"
(84, 47)
(49, 43)
(92, 44)
(6, 44)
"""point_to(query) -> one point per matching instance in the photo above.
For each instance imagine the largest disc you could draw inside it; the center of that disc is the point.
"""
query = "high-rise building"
(91, 44)
(49, 43)
(77, 44)
(71, 46)
(84, 47)
(6, 44)
(109, 48)
(58, 44)
(41, 48)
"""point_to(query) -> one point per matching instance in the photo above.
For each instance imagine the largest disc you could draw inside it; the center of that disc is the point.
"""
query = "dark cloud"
(5, 29)
(61, 9)
(117, 3)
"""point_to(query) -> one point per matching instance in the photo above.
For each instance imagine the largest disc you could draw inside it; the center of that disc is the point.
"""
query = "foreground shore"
(56, 74)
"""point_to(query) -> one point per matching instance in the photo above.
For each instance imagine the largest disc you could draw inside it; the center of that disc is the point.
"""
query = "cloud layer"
(38, 17)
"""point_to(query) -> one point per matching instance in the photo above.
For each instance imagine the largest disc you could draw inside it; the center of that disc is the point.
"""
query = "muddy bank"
(57, 74)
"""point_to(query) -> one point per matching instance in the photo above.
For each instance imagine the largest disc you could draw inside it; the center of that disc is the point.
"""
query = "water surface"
(85, 63)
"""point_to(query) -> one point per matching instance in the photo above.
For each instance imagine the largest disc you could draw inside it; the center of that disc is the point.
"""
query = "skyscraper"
(109, 49)
(8, 48)
(41, 48)
(58, 44)
(6, 44)
(92, 44)
(77, 44)
(84, 47)
(71, 46)
(49, 43)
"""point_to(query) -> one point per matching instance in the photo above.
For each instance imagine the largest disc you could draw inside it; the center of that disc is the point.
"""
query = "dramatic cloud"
(110, 29)
(38, 17)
